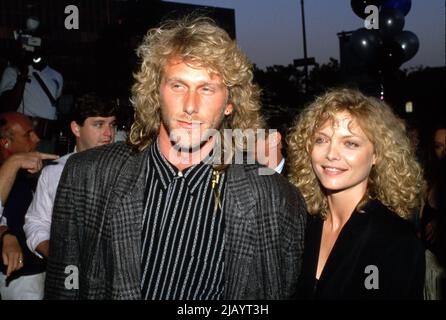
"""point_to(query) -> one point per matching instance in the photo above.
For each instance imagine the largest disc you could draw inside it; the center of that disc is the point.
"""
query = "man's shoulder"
(59, 162)
(111, 153)
(10, 70)
(54, 168)
(257, 172)
(272, 194)
(53, 71)
(264, 178)
(50, 73)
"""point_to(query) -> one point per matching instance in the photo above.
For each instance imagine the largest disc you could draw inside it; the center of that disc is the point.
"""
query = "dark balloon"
(391, 22)
(365, 44)
(390, 56)
(408, 41)
(358, 6)
(402, 5)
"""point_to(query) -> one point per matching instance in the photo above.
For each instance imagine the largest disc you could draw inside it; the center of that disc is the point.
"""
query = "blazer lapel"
(239, 210)
(127, 209)
(345, 252)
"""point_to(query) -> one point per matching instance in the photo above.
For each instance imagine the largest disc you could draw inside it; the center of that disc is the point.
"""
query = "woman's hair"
(396, 179)
(198, 42)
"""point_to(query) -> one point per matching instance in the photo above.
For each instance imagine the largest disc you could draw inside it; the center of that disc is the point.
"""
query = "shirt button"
(180, 174)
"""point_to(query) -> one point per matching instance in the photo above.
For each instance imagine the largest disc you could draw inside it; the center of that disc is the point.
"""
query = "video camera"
(28, 42)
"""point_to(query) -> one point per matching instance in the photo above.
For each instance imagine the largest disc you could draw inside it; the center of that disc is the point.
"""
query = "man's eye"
(177, 87)
(207, 90)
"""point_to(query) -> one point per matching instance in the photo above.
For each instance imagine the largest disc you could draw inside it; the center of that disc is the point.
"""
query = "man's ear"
(279, 138)
(228, 110)
(5, 143)
(75, 128)
(274, 139)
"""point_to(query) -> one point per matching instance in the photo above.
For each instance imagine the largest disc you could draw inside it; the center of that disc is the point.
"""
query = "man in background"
(92, 124)
(22, 275)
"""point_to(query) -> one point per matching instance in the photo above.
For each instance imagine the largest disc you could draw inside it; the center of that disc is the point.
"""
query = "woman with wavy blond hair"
(352, 160)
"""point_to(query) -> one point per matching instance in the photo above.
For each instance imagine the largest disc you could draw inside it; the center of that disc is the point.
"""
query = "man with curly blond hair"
(161, 217)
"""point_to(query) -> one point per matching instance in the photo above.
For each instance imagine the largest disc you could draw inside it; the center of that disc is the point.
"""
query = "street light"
(305, 43)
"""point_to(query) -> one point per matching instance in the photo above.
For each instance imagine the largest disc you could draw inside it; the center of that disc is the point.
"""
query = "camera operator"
(30, 86)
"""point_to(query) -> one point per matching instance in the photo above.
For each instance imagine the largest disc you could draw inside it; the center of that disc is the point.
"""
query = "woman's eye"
(319, 140)
(351, 144)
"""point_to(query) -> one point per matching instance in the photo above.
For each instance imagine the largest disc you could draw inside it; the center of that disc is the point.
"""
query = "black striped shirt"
(182, 232)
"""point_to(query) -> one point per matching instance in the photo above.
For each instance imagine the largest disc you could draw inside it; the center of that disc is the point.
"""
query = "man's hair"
(92, 105)
(198, 42)
(396, 179)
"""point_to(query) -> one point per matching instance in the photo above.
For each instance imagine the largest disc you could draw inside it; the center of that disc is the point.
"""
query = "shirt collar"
(166, 172)
(280, 166)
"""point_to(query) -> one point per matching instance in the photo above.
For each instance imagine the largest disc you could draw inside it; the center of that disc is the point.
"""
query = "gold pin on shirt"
(215, 182)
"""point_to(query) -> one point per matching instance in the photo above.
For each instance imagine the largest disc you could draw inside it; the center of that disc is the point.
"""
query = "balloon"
(358, 6)
(390, 56)
(402, 5)
(365, 43)
(391, 22)
(408, 41)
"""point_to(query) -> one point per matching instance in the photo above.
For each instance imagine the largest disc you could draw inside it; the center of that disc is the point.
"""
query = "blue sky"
(270, 31)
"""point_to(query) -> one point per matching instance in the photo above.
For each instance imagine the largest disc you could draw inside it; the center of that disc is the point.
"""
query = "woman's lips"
(333, 170)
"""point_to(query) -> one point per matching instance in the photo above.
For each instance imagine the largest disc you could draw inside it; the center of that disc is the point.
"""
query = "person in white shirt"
(93, 125)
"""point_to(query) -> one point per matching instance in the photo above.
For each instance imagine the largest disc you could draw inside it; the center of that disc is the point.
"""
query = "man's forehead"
(214, 75)
(21, 125)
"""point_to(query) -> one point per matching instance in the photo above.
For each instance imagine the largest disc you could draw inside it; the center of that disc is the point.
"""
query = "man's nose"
(191, 102)
(35, 138)
(108, 131)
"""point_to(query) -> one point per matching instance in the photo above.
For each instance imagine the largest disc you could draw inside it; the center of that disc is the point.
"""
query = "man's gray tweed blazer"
(96, 229)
